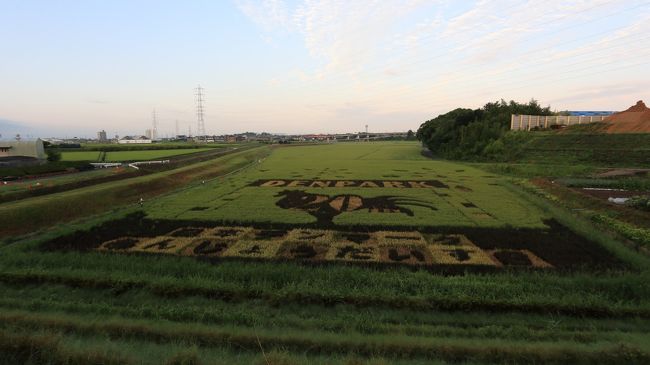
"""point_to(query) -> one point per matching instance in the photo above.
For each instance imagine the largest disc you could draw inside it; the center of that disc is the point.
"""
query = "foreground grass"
(317, 343)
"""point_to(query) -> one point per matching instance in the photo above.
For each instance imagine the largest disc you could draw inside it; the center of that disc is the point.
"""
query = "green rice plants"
(212, 268)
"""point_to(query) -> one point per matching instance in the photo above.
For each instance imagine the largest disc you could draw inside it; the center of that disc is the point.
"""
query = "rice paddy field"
(348, 253)
(120, 156)
(12, 187)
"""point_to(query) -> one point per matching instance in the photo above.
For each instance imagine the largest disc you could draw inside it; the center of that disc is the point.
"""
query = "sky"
(72, 68)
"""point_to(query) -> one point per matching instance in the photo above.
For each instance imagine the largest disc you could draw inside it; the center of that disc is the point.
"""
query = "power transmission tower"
(177, 128)
(199, 112)
(154, 131)
(367, 135)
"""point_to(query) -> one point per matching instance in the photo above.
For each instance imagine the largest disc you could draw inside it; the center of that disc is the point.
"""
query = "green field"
(55, 180)
(120, 156)
(234, 198)
(91, 156)
(333, 254)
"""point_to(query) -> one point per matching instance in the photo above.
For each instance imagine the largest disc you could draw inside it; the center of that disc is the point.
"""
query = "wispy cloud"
(395, 56)
(269, 14)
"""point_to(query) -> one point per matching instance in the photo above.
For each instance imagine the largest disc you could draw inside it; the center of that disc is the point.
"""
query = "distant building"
(591, 113)
(101, 136)
(134, 140)
(21, 152)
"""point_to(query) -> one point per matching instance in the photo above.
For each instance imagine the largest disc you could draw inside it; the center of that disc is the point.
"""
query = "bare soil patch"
(635, 119)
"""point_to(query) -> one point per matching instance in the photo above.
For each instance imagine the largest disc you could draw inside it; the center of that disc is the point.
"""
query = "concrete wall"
(527, 122)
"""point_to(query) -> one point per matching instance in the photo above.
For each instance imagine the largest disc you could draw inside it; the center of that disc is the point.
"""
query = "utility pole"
(199, 112)
(154, 131)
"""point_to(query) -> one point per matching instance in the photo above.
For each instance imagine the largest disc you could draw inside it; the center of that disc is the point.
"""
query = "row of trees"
(482, 133)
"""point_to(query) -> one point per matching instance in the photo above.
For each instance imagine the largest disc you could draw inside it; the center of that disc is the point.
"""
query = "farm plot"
(135, 155)
(80, 156)
(119, 156)
(345, 254)
(407, 191)
(357, 205)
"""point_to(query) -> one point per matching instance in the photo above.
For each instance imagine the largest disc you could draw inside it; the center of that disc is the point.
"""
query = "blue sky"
(71, 68)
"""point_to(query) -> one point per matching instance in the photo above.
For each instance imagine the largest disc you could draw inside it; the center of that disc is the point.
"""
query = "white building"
(134, 140)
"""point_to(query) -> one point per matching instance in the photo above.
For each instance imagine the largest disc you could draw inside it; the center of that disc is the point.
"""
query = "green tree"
(475, 134)
(53, 155)
(410, 135)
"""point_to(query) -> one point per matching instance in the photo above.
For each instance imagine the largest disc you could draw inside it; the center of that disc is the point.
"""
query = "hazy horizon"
(72, 68)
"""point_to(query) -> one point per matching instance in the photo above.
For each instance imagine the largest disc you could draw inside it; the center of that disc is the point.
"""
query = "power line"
(154, 131)
(199, 112)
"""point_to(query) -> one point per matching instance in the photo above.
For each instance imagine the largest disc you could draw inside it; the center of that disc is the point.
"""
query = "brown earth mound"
(636, 119)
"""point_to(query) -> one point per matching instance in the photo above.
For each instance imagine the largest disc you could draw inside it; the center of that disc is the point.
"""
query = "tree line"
(479, 134)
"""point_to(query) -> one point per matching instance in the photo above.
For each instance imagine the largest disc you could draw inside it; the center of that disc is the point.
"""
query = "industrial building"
(14, 153)
(32, 149)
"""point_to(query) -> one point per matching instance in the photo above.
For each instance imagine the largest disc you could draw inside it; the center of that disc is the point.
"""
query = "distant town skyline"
(74, 68)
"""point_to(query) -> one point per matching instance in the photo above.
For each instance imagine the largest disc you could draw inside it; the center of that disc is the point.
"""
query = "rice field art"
(426, 215)
(347, 253)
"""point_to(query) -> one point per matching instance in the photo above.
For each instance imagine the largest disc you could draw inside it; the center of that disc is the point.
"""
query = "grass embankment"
(109, 147)
(31, 214)
(48, 168)
(39, 186)
(562, 155)
(23, 185)
(118, 156)
(128, 155)
(605, 150)
(44, 185)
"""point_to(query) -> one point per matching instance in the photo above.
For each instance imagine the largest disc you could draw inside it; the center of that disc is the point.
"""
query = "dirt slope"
(635, 119)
